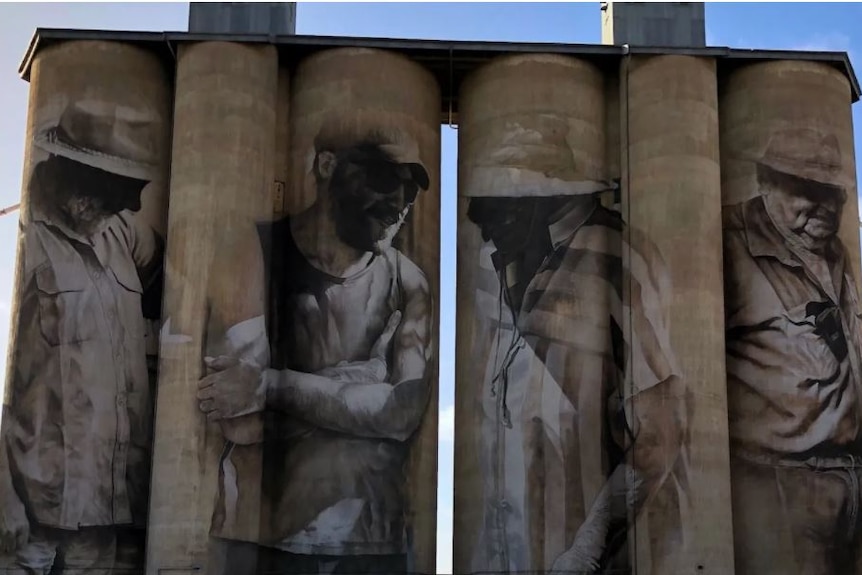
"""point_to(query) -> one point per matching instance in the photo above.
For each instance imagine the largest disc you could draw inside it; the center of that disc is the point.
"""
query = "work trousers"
(87, 551)
(797, 520)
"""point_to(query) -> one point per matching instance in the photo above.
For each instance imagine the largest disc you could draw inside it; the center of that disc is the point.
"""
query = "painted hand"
(14, 527)
(373, 370)
(235, 388)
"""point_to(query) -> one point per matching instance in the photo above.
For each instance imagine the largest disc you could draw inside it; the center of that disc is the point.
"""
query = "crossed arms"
(382, 397)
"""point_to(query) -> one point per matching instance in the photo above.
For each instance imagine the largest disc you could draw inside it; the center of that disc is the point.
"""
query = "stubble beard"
(86, 214)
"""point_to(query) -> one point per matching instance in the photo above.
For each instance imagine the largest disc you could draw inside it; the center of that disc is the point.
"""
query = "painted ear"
(326, 163)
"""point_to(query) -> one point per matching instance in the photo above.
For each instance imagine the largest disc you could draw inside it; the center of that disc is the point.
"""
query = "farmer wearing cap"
(342, 377)
(793, 364)
(75, 452)
(566, 362)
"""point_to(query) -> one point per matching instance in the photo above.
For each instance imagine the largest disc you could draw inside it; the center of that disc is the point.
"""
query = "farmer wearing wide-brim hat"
(793, 362)
(550, 291)
(75, 450)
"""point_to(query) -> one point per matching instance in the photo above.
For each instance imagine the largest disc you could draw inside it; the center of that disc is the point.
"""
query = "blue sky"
(805, 26)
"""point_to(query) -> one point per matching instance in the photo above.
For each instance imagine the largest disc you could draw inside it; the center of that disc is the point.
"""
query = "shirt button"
(121, 400)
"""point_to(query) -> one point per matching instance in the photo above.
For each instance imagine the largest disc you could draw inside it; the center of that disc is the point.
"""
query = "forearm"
(366, 409)
(247, 341)
(653, 450)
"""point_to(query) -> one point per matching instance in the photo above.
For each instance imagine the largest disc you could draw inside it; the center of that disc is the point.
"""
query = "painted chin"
(821, 228)
(384, 230)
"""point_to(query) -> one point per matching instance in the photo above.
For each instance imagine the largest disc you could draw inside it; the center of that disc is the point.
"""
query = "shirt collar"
(569, 219)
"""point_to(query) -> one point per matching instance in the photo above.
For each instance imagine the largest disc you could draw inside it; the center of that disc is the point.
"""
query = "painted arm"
(651, 420)
(655, 446)
(236, 327)
(147, 248)
(357, 398)
(370, 406)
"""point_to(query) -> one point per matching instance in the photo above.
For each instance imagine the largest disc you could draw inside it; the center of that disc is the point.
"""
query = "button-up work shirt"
(793, 341)
(79, 415)
(555, 382)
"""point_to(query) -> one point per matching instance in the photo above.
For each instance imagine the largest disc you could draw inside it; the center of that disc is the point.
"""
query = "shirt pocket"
(65, 316)
(810, 349)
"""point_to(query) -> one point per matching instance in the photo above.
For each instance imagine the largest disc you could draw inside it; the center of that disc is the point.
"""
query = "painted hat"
(808, 154)
(531, 156)
(337, 134)
(114, 138)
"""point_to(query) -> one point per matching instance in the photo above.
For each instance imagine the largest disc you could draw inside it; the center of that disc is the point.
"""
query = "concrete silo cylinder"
(791, 274)
(221, 188)
(364, 180)
(77, 423)
(529, 461)
(672, 203)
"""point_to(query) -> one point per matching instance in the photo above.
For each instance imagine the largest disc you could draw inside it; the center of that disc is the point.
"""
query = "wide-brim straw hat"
(528, 156)
(808, 154)
(114, 138)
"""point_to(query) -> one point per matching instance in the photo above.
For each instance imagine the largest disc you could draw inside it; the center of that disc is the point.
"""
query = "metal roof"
(449, 60)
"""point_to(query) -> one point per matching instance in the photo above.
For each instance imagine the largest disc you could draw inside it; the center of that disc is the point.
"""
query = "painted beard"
(368, 229)
(86, 214)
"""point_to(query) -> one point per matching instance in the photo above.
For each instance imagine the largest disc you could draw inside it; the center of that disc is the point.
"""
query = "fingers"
(12, 539)
(221, 362)
(23, 536)
(7, 541)
(382, 346)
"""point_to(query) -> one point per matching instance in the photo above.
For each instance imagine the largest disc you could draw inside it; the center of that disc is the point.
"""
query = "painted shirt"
(78, 423)
(793, 341)
(552, 429)
(327, 491)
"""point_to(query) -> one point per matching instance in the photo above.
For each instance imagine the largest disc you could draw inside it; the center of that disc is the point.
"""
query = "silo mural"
(672, 201)
(564, 360)
(75, 450)
(321, 362)
(791, 266)
(222, 183)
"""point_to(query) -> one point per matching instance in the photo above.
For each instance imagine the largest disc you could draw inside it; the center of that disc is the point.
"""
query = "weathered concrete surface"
(95, 71)
(567, 111)
(672, 194)
(756, 102)
(372, 89)
(761, 98)
(221, 181)
(530, 126)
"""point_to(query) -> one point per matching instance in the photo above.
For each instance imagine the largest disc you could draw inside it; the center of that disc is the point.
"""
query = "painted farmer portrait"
(323, 370)
(793, 361)
(576, 370)
(77, 425)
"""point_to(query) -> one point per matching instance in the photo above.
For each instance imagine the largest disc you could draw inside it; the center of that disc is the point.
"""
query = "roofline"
(449, 49)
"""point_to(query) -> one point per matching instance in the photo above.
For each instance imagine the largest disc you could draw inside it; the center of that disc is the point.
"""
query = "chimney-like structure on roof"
(278, 18)
(666, 24)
